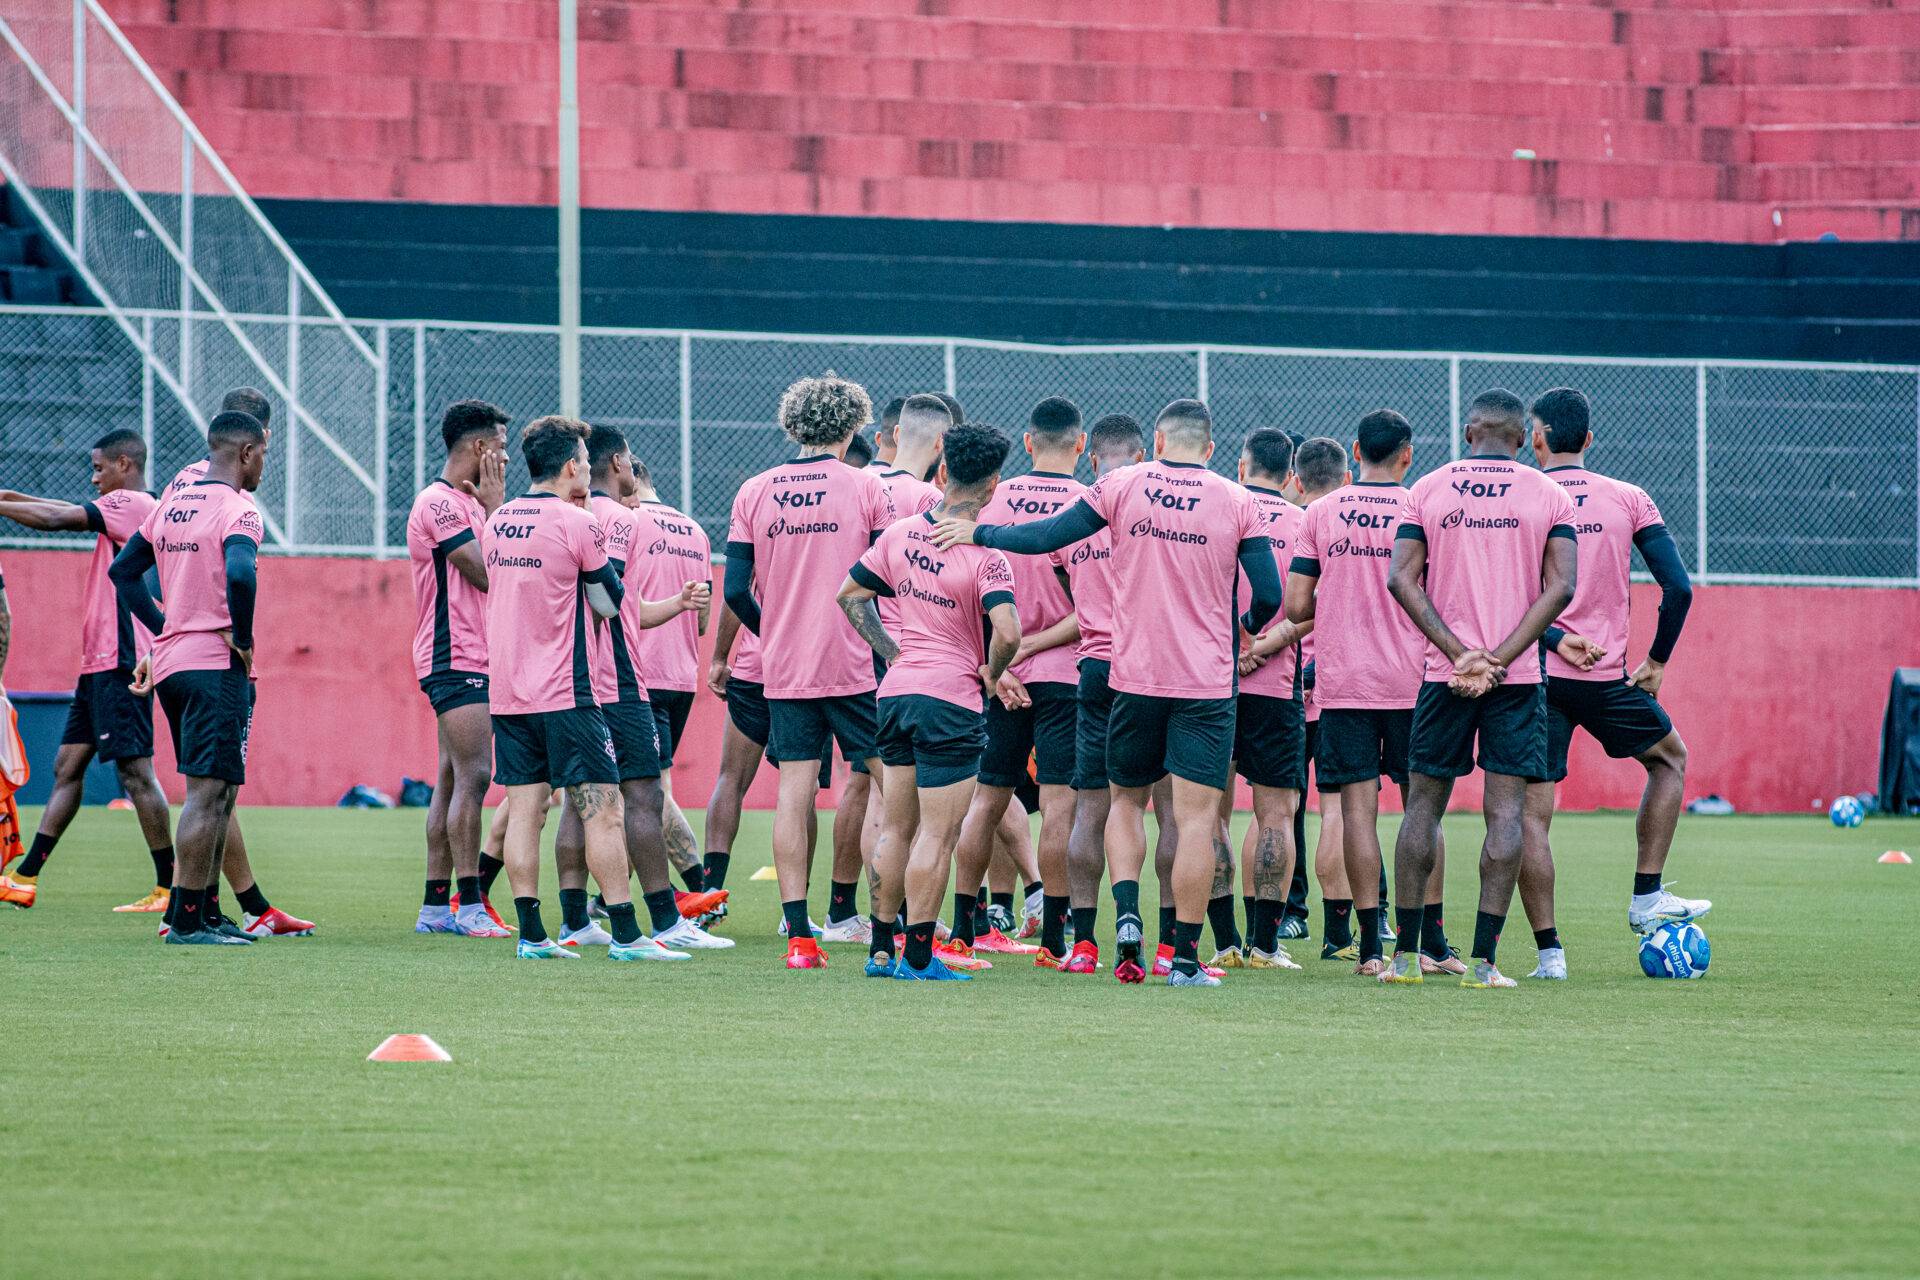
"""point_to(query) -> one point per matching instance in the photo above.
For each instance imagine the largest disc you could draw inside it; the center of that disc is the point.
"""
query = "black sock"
(919, 945)
(173, 904)
(664, 915)
(469, 888)
(1369, 930)
(1053, 923)
(1085, 920)
(252, 901)
(532, 928)
(695, 878)
(210, 903)
(37, 854)
(162, 866)
(1004, 901)
(1406, 923)
(622, 923)
(1433, 931)
(1264, 935)
(715, 870)
(882, 936)
(189, 910)
(795, 913)
(1126, 909)
(1546, 939)
(438, 893)
(1338, 914)
(1486, 935)
(1226, 932)
(1186, 946)
(1644, 882)
(963, 905)
(1252, 905)
(573, 909)
(490, 869)
(841, 905)
(980, 924)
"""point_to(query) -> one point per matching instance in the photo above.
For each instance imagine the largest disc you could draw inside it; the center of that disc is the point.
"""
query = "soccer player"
(1483, 559)
(886, 436)
(1588, 686)
(547, 571)
(859, 454)
(1181, 533)
(1035, 711)
(450, 657)
(1367, 676)
(794, 530)
(204, 540)
(107, 720)
(931, 733)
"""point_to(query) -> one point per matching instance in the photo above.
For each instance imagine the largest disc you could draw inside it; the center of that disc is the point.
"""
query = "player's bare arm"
(470, 564)
(1005, 644)
(1065, 631)
(693, 597)
(862, 607)
(6, 632)
(719, 672)
(47, 514)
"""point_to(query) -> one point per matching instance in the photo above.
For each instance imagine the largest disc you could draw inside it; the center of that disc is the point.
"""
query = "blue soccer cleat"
(880, 965)
(934, 972)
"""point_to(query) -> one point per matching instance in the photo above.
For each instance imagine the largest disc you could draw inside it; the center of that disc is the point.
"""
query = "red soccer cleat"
(1047, 960)
(694, 905)
(958, 955)
(805, 953)
(1084, 958)
(275, 923)
(994, 940)
(1129, 971)
(1163, 964)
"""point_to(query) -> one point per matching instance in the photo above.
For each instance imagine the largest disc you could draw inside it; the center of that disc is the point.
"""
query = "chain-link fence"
(1764, 472)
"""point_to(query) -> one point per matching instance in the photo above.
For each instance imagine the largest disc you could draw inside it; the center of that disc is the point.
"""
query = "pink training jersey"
(1089, 564)
(1607, 513)
(941, 597)
(192, 473)
(1177, 529)
(910, 495)
(616, 673)
(1486, 522)
(1281, 521)
(746, 659)
(450, 633)
(1369, 654)
(1036, 584)
(807, 520)
(539, 546)
(189, 533)
(111, 638)
(670, 550)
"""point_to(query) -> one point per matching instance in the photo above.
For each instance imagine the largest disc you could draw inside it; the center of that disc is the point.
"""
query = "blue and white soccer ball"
(1847, 812)
(1676, 951)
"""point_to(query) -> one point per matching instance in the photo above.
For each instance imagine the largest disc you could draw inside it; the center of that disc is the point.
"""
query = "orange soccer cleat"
(156, 900)
(17, 892)
(805, 953)
(958, 955)
(694, 905)
(996, 941)
(1047, 960)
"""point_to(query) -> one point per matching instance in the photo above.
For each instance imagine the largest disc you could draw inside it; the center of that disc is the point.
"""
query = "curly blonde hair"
(817, 413)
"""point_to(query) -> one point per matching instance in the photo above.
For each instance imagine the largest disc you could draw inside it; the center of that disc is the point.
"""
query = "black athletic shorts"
(636, 750)
(1359, 744)
(107, 716)
(1270, 741)
(940, 739)
(1623, 718)
(1510, 723)
(1044, 731)
(804, 728)
(210, 714)
(1150, 737)
(671, 707)
(1090, 731)
(563, 748)
(446, 690)
(747, 708)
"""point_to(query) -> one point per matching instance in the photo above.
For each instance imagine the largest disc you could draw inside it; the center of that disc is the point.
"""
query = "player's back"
(616, 671)
(940, 597)
(1280, 520)
(1367, 653)
(110, 637)
(189, 531)
(670, 549)
(1486, 521)
(1089, 566)
(1607, 514)
(450, 626)
(1042, 601)
(538, 546)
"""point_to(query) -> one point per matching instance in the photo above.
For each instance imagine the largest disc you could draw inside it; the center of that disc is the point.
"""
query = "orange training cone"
(409, 1048)
(1896, 857)
(121, 803)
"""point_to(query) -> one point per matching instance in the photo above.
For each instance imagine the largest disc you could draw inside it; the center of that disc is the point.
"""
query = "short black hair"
(1500, 409)
(1319, 463)
(975, 451)
(549, 443)
(1055, 420)
(1271, 452)
(250, 402)
(859, 450)
(1114, 435)
(1382, 434)
(124, 442)
(1566, 415)
(470, 417)
(1186, 417)
(231, 427)
(891, 414)
(602, 444)
(953, 406)
(641, 474)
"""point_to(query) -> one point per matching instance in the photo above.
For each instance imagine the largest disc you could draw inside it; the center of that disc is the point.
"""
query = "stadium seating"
(1745, 120)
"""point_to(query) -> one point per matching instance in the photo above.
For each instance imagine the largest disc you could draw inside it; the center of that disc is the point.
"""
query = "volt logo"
(812, 499)
(513, 531)
(1171, 501)
(1033, 506)
(1481, 488)
(1366, 519)
(921, 560)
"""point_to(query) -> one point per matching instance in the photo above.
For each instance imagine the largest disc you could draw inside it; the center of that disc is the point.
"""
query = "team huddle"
(975, 648)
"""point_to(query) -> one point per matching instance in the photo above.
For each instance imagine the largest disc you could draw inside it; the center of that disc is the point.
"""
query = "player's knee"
(1670, 755)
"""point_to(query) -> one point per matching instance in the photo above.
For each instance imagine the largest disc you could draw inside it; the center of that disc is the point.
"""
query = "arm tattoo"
(1222, 867)
(865, 617)
(1267, 883)
(682, 849)
(591, 798)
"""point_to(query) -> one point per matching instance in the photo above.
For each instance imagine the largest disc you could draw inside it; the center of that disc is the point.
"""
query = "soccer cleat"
(1163, 962)
(1084, 958)
(805, 953)
(853, 929)
(994, 940)
(17, 894)
(1404, 969)
(1449, 963)
(1486, 976)
(474, 922)
(220, 924)
(644, 948)
(275, 923)
(487, 904)
(691, 936)
(1552, 966)
(597, 908)
(1348, 950)
(880, 965)
(817, 931)
(1387, 936)
(156, 900)
(436, 920)
(1225, 958)
(1275, 959)
(998, 917)
(545, 949)
(1373, 968)
(959, 955)
(1649, 911)
(1030, 919)
(1047, 960)
(694, 905)
(714, 916)
(1128, 971)
(591, 936)
(203, 938)
(1294, 927)
(935, 971)
(1201, 977)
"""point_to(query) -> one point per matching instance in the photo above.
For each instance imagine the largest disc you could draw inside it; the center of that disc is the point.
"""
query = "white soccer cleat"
(1648, 911)
(692, 937)
(1486, 976)
(1552, 966)
(1275, 959)
(644, 949)
(810, 924)
(591, 936)
(1032, 916)
(853, 929)
(1198, 978)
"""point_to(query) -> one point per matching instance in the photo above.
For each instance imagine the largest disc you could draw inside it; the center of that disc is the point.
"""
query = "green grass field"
(175, 1112)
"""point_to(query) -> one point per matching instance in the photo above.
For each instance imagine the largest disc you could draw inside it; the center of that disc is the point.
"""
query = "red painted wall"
(1778, 690)
(1744, 120)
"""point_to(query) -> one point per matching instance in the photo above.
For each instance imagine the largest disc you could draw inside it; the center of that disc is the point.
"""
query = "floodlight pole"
(569, 208)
